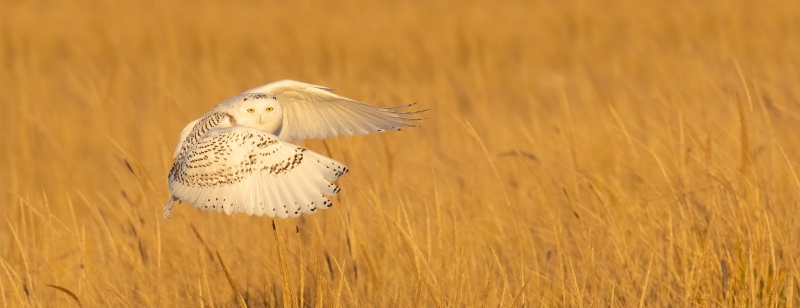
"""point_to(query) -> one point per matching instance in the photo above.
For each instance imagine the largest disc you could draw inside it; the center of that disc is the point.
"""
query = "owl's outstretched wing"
(311, 111)
(241, 169)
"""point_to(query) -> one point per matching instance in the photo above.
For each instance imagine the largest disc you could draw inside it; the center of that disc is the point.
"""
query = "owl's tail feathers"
(168, 207)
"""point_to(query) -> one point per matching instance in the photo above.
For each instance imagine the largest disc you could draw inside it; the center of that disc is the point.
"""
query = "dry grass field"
(576, 153)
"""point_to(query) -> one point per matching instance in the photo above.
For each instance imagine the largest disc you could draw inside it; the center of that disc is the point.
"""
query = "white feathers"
(237, 159)
(185, 132)
(244, 170)
(312, 111)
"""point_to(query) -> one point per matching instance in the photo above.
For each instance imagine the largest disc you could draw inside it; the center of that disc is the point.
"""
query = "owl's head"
(257, 110)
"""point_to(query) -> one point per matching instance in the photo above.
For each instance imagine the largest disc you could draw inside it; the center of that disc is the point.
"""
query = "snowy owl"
(237, 157)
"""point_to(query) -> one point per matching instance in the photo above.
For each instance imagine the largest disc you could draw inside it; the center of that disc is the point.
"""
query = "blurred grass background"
(577, 153)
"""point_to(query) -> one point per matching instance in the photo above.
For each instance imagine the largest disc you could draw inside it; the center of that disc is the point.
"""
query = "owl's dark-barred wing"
(312, 111)
(245, 170)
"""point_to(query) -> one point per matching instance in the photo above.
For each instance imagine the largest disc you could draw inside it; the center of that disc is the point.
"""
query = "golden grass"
(577, 153)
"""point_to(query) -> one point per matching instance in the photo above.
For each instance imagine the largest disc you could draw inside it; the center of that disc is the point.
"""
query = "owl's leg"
(168, 207)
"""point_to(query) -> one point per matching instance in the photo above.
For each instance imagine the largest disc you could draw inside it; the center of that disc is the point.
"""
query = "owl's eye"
(270, 108)
(251, 110)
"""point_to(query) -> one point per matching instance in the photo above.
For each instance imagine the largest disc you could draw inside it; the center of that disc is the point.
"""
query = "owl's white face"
(261, 111)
